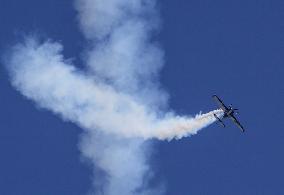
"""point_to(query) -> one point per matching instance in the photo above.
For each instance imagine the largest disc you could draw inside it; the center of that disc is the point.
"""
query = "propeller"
(236, 111)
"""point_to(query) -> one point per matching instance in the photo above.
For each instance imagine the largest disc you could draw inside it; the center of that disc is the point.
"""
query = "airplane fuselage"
(228, 112)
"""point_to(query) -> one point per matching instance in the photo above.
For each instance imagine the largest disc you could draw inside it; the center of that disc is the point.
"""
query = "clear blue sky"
(231, 48)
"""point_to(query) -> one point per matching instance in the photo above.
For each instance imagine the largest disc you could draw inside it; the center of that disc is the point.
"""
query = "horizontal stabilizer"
(221, 122)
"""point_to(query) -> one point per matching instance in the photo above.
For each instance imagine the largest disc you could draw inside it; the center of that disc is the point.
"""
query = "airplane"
(228, 113)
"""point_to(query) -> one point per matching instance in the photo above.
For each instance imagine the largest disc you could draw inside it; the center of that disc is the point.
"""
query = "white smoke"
(40, 72)
(118, 101)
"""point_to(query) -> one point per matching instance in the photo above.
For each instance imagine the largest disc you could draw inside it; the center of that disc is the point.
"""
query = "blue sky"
(233, 49)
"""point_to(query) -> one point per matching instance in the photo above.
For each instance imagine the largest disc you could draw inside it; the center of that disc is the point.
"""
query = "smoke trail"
(41, 74)
(118, 101)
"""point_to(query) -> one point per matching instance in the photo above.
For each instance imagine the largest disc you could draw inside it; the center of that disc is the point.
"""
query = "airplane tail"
(221, 122)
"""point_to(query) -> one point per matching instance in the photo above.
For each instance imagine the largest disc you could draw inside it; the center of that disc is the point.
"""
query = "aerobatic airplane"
(228, 113)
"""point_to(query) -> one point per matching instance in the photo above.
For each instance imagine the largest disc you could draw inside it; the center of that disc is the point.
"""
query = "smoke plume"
(117, 100)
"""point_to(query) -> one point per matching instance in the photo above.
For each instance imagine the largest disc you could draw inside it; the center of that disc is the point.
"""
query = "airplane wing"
(220, 103)
(233, 118)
